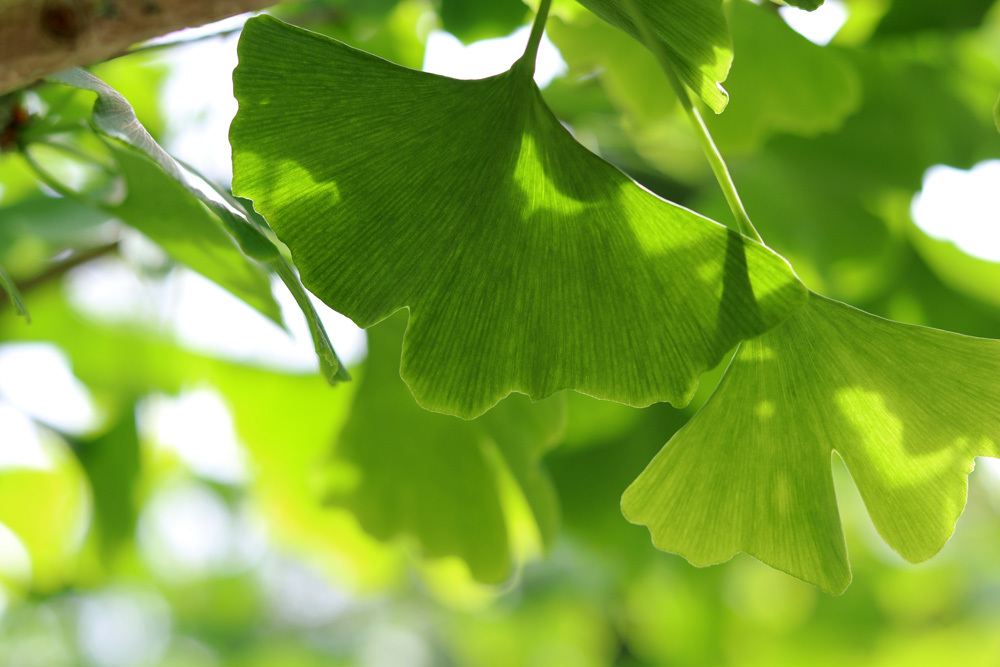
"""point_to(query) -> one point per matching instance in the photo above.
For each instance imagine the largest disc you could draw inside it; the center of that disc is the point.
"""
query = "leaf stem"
(708, 147)
(537, 28)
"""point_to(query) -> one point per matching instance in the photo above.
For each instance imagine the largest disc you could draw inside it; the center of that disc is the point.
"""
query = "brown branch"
(39, 37)
(59, 269)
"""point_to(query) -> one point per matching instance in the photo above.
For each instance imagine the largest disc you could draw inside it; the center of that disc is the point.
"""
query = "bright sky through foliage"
(820, 25)
(962, 207)
(447, 55)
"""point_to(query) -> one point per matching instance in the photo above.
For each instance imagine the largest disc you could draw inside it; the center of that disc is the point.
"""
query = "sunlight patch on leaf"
(508, 288)
(907, 408)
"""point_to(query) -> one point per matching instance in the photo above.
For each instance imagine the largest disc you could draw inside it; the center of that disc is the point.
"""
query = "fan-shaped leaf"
(907, 408)
(528, 264)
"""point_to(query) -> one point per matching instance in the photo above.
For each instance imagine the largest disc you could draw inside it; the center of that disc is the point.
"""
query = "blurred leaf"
(10, 288)
(780, 82)
(47, 509)
(405, 471)
(843, 182)
(56, 221)
(286, 421)
(912, 16)
(114, 116)
(375, 229)
(111, 462)
(693, 34)
(393, 29)
(907, 408)
(471, 20)
(164, 210)
(648, 119)
(960, 270)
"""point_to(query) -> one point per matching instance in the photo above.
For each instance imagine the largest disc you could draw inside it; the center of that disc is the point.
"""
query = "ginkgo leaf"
(527, 263)
(439, 479)
(907, 408)
(693, 33)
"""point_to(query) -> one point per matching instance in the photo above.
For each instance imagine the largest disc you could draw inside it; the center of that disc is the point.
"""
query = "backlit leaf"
(114, 116)
(163, 210)
(907, 408)
(519, 254)
(781, 82)
(693, 34)
(440, 479)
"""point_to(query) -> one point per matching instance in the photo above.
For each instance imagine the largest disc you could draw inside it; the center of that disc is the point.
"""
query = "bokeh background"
(162, 445)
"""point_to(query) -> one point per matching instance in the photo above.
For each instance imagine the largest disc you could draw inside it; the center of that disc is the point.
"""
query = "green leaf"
(59, 508)
(781, 82)
(10, 288)
(914, 16)
(114, 116)
(470, 20)
(443, 480)
(518, 253)
(996, 114)
(163, 209)
(907, 408)
(111, 462)
(693, 34)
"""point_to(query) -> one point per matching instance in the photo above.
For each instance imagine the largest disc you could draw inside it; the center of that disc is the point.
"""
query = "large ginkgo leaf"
(692, 33)
(438, 479)
(907, 408)
(527, 263)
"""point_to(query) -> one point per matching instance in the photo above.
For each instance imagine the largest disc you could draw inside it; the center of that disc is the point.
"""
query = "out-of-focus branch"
(39, 37)
(61, 268)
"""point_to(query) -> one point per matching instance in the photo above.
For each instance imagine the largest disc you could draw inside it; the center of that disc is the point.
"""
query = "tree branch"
(39, 37)
(59, 269)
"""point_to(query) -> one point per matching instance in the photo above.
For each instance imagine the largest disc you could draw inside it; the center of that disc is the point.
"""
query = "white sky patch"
(299, 595)
(21, 444)
(15, 561)
(209, 319)
(123, 628)
(198, 100)
(109, 289)
(820, 25)
(445, 54)
(36, 378)
(187, 532)
(196, 426)
(962, 207)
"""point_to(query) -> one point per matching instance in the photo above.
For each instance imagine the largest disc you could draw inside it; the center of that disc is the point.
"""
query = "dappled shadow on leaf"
(907, 408)
(527, 263)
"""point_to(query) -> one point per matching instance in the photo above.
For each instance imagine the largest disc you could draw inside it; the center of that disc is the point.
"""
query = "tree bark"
(39, 37)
